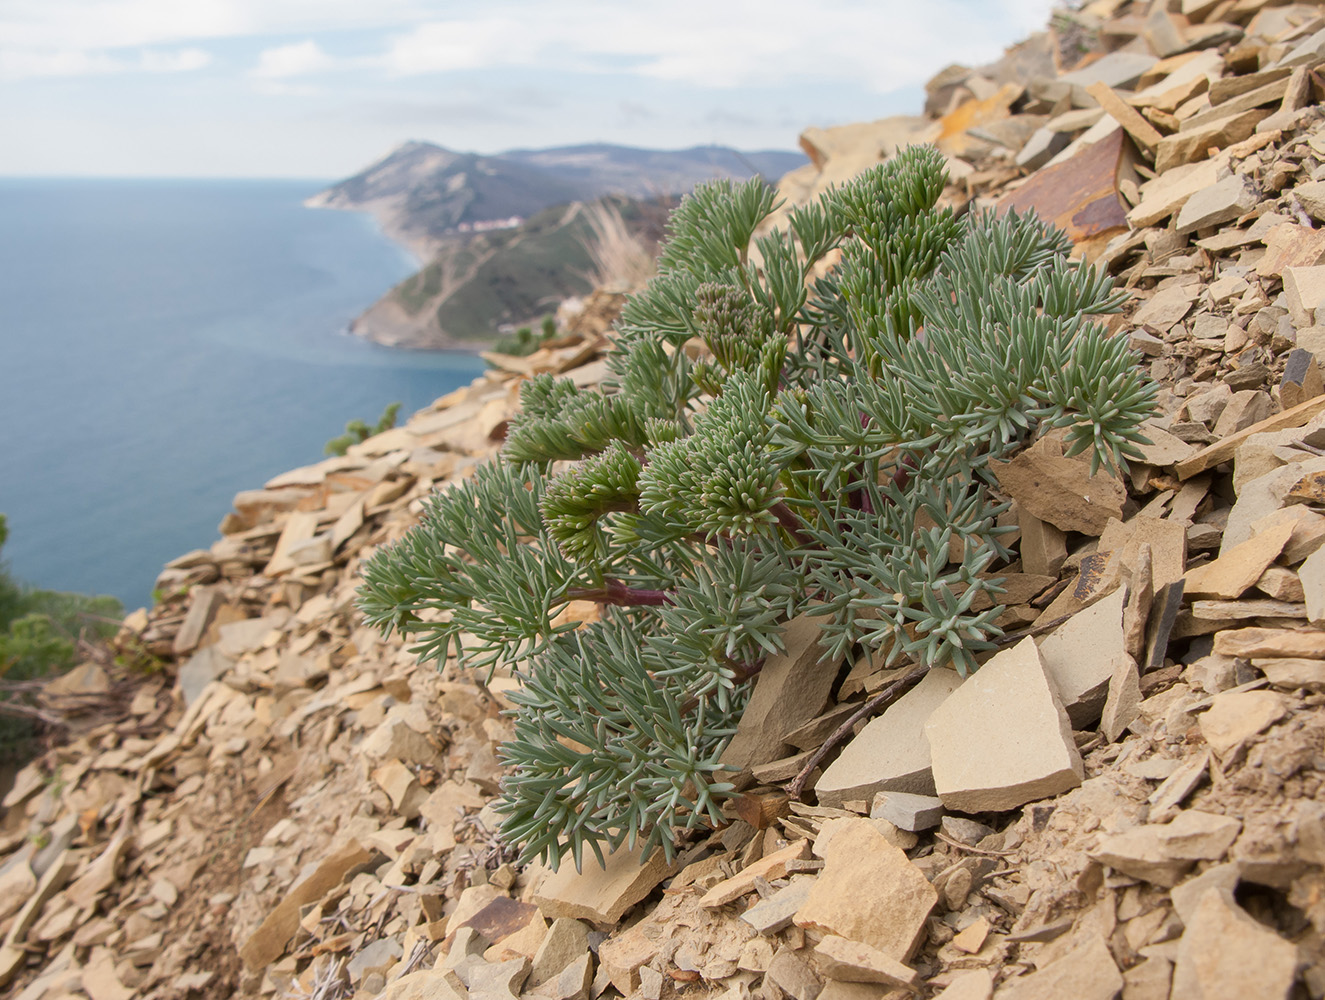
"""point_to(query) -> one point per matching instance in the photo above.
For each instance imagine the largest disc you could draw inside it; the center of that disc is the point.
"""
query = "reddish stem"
(616, 592)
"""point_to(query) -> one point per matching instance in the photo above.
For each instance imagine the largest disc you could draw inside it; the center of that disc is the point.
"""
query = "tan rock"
(793, 975)
(1122, 703)
(1227, 955)
(775, 913)
(1292, 673)
(1222, 451)
(1236, 716)
(791, 690)
(426, 984)
(1166, 537)
(1081, 656)
(980, 762)
(1043, 547)
(500, 981)
(575, 980)
(869, 892)
(566, 941)
(1304, 288)
(891, 752)
(1149, 980)
(1168, 192)
(1184, 147)
(1087, 972)
(769, 867)
(1311, 575)
(100, 979)
(268, 942)
(1061, 490)
(853, 962)
(396, 740)
(600, 894)
(976, 984)
(1238, 569)
(1166, 307)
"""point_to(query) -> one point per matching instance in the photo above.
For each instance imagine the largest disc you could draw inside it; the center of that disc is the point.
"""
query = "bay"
(166, 344)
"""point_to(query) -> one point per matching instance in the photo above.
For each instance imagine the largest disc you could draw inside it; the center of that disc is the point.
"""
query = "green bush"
(38, 633)
(821, 455)
(357, 431)
(524, 341)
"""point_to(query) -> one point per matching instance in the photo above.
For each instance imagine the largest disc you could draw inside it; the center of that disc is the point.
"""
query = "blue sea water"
(165, 344)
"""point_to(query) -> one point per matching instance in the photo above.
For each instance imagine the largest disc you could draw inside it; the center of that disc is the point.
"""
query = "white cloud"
(883, 45)
(21, 63)
(298, 59)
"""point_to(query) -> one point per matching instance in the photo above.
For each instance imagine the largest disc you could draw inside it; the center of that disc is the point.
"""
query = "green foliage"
(357, 431)
(827, 452)
(524, 341)
(38, 629)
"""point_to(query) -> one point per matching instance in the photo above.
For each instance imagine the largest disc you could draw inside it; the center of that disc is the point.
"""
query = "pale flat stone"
(1187, 896)
(1237, 569)
(621, 956)
(599, 894)
(1292, 673)
(791, 690)
(1304, 288)
(1271, 642)
(854, 962)
(1082, 654)
(268, 942)
(1311, 574)
(868, 891)
(977, 984)
(1227, 955)
(395, 739)
(425, 984)
(908, 811)
(1163, 852)
(769, 867)
(567, 939)
(1236, 716)
(1167, 306)
(1061, 490)
(1170, 191)
(768, 916)
(1221, 202)
(890, 753)
(981, 762)
(1122, 703)
(1087, 972)
(793, 975)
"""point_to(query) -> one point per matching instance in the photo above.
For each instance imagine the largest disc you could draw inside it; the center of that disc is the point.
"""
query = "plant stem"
(616, 592)
(884, 698)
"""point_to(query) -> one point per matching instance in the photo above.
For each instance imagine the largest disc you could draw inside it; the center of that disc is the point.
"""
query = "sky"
(319, 88)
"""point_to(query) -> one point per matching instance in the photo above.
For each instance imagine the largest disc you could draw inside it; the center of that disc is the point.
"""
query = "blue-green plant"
(796, 422)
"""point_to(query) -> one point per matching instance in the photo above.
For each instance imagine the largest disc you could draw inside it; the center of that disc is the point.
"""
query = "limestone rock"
(1227, 955)
(396, 740)
(600, 894)
(790, 691)
(1219, 203)
(566, 940)
(1237, 569)
(1236, 716)
(1087, 972)
(976, 984)
(1061, 490)
(908, 811)
(1312, 578)
(1003, 739)
(793, 975)
(775, 913)
(870, 892)
(890, 753)
(853, 962)
(1163, 853)
(768, 867)
(1081, 656)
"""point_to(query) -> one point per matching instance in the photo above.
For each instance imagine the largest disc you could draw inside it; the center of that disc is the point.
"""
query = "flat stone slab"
(907, 811)
(891, 752)
(870, 892)
(1083, 653)
(1227, 955)
(1003, 739)
(599, 894)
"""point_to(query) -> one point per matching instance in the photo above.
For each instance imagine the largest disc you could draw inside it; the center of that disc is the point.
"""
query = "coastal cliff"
(288, 805)
(502, 239)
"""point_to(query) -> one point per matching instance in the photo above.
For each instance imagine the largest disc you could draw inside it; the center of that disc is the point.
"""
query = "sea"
(166, 344)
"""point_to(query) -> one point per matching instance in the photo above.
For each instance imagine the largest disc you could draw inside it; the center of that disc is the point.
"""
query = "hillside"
(1129, 800)
(474, 284)
(421, 193)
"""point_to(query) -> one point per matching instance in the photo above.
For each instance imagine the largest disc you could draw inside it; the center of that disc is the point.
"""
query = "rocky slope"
(293, 808)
